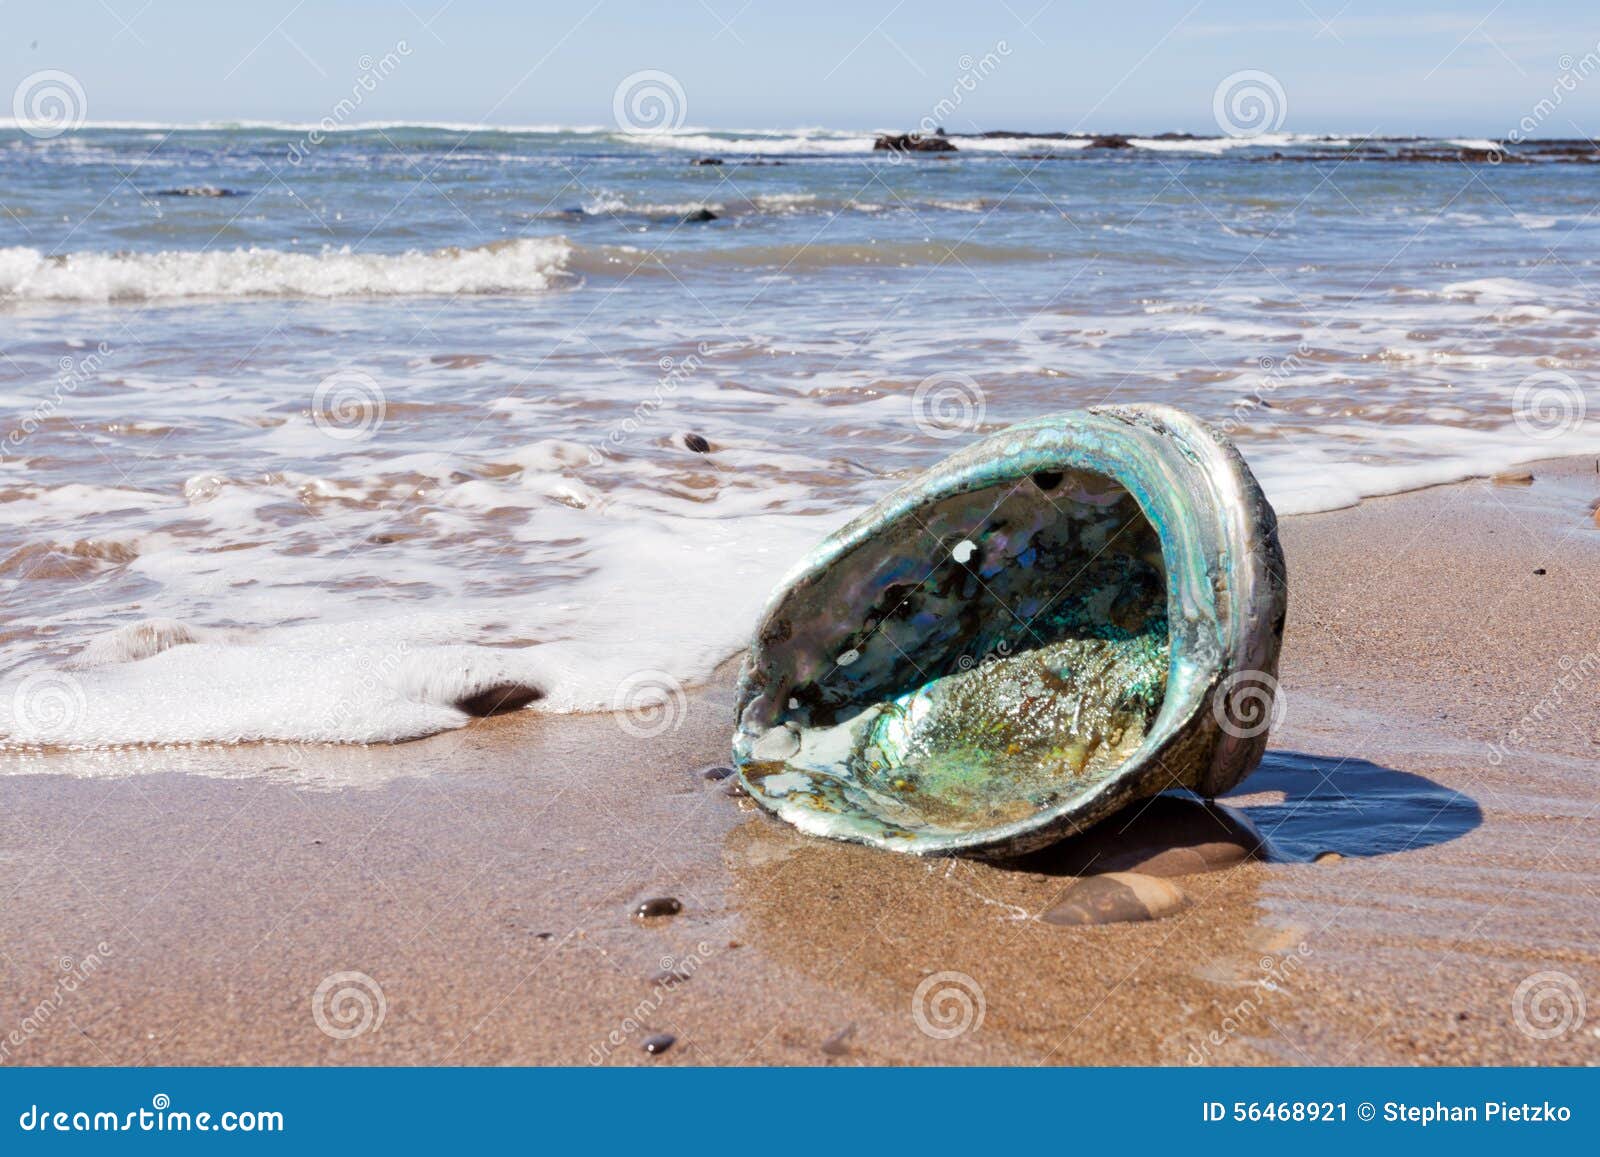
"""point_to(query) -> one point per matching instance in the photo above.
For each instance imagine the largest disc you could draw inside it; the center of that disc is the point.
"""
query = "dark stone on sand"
(1170, 835)
(697, 443)
(659, 1043)
(735, 789)
(699, 215)
(1538, 570)
(706, 161)
(1113, 141)
(198, 191)
(836, 1045)
(715, 773)
(912, 143)
(499, 699)
(658, 906)
(1116, 898)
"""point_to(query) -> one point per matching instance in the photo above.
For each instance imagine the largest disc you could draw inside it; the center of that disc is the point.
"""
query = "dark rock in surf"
(499, 699)
(912, 143)
(706, 161)
(1114, 141)
(696, 443)
(699, 215)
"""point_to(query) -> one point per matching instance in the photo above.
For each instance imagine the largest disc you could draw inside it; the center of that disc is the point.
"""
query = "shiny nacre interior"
(983, 658)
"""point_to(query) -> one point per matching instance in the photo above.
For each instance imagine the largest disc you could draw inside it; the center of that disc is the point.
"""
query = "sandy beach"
(1441, 734)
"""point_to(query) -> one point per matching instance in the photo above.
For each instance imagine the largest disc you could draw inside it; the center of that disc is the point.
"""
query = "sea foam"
(522, 266)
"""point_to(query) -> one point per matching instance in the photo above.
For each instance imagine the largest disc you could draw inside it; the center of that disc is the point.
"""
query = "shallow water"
(406, 417)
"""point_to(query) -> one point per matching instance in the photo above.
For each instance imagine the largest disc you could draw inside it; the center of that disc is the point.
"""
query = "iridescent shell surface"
(1069, 615)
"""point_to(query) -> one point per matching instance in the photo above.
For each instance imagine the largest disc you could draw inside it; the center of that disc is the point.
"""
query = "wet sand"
(484, 882)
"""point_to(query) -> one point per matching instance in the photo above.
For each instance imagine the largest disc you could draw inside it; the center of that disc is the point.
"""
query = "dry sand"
(485, 880)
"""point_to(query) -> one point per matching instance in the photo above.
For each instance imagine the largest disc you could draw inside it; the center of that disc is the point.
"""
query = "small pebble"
(735, 789)
(716, 773)
(1116, 898)
(835, 1045)
(696, 443)
(659, 1043)
(1538, 570)
(1512, 478)
(1326, 857)
(658, 906)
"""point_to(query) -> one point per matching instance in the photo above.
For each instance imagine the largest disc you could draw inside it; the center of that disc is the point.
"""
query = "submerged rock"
(198, 191)
(1116, 898)
(1066, 617)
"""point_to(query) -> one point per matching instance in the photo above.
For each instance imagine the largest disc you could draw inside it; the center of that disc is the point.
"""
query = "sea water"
(412, 411)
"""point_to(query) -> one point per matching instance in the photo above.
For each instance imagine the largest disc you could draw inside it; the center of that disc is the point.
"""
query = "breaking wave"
(521, 266)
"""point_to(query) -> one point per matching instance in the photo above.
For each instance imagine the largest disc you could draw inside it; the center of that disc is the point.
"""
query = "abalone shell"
(1068, 615)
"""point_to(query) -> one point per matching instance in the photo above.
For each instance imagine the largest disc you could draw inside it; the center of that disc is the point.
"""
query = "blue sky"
(1360, 66)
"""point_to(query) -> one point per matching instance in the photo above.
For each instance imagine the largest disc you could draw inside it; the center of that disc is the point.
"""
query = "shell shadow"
(1350, 806)
(1324, 804)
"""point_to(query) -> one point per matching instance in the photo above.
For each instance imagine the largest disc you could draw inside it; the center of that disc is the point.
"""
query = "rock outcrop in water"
(913, 143)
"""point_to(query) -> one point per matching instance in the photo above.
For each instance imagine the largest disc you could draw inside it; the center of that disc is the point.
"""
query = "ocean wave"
(521, 266)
